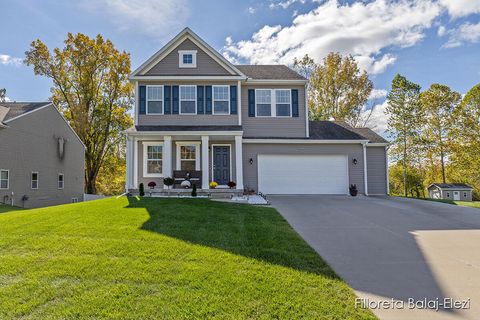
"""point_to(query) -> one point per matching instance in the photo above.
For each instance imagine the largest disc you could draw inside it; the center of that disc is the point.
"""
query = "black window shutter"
(251, 102)
(294, 102)
(208, 99)
(233, 99)
(143, 100)
(200, 109)
(174, 99)
(167, 101)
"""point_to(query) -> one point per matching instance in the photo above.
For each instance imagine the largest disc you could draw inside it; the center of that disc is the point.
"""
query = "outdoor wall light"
(355, 161)
(251, 161)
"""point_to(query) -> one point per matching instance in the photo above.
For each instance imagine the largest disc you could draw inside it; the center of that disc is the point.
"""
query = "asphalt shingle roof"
(451, 185)
(329, 130)
(19, 108)
(264, 72)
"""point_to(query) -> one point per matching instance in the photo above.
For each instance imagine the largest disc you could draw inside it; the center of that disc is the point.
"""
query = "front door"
(221, 164)
(456, 195)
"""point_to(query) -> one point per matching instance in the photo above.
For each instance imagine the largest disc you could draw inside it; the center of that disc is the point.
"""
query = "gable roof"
(367, 133)
(329, 130)
(450, 186)
(17, 109)
(186, 33)
(266, 72)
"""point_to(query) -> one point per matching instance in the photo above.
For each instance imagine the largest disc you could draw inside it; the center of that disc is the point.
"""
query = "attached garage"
(303, 174)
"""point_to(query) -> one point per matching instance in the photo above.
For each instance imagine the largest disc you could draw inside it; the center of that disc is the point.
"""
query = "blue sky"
(426, 40)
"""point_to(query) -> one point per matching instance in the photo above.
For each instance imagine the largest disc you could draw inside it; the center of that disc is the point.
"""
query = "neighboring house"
(41, 157)
(450, 191)
(249, 124)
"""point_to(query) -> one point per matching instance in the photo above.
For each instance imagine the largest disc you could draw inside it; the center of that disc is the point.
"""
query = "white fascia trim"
(29, 112)
(304, 141)
(187, 78)
(276, 81)
(186, 133)
(378, 144)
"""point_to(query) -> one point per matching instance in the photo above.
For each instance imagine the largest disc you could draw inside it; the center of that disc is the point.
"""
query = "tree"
(438, 104)
(3, 95)
(404, 116)
(415, 180)
(91, 88)
(337, 88)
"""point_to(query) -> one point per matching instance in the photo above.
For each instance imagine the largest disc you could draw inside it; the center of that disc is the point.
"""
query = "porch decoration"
(168, 181)
(152, 184)
(185, 184)
(353, 190)
(213, 185)
(231, 184)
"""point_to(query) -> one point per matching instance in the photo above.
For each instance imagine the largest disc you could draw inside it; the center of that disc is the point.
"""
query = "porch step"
(204, 193)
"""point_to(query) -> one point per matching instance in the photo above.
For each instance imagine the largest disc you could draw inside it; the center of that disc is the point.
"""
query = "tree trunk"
(443, 165)
(90, 184)
(405, 167)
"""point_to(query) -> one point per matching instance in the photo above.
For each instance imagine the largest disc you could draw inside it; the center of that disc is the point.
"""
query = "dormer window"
(187, 58)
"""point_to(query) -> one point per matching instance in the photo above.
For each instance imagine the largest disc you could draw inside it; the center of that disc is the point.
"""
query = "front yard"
(472, 204)
(163, 258)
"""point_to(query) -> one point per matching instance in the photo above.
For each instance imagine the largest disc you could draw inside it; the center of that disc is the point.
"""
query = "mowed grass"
(5, 208)
(132, 258)
(471, 204)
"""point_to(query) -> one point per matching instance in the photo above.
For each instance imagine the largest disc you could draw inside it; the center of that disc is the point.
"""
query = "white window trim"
(180, 100)
(273, 103)
(147, 100)
(31, 180)
(8, 179)
(213, 100)
(58, 181)
(197, 153)
(180, 58)
(145, 148)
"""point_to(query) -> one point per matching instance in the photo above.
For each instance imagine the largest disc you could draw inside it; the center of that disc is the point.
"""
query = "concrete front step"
(209, 193)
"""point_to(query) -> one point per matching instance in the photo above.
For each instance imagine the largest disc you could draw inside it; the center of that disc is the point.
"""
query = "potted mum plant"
(231, 184)
(213, 185)
(152, 185)
(353, 190)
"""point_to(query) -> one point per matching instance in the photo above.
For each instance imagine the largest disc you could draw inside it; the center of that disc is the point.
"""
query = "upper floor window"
(34, 180)
(187, 58)
(273, 102)
(221, 100)
(61, 181)
(188, 99)
(152, 159)
(154, 99)
(4, 179)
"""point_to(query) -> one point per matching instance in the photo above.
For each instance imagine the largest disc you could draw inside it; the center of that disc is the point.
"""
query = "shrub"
(168, 181)
(194, 190)
(141, 190)
(152, 184)
(231, 184)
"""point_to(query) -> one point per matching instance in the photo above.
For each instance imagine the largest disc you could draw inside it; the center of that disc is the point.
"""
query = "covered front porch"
(207, 156)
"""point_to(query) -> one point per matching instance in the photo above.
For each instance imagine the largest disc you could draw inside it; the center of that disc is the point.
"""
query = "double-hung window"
(154, 99)
(152, 159)
(4, 179)
(188, 99)
(34, 180)
(283, 103)
(221, 100)
(263, 102)
(188, 156)
(61, 181)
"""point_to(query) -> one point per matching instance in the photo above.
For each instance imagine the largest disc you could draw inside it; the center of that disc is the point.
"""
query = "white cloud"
(362, 29)
(251, 10)
(285, 4)
(461, 8)
(465, 33)
(148, 16)
(378, 118)
(441, 31)
(378, 93)
(7, 60)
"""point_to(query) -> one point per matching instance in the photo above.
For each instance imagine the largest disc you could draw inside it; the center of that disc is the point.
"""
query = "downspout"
(365, 175)
(386, 171)
(307, 130)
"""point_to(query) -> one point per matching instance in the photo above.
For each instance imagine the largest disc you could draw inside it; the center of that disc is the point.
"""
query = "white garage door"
(303, 174)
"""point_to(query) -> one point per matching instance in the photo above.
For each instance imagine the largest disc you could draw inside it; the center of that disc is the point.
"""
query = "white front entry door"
(456, 195)
(303, 174)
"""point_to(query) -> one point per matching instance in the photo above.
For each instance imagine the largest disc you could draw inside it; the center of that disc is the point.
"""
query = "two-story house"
(195, 111)
(41, 157)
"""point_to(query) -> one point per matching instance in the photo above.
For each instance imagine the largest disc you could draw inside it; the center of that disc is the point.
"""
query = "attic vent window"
(187, 58)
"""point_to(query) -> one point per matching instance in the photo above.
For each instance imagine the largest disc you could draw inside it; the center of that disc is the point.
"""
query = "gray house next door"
(221, 164)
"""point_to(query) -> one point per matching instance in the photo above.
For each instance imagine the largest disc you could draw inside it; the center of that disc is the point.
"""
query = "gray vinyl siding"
(29, 144)
(205, 64)
(186, 119)
(274, 127)
(250, 171)
(159, 181)
(376, 170)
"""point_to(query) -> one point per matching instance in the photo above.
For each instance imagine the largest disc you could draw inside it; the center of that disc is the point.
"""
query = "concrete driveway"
(395, 249)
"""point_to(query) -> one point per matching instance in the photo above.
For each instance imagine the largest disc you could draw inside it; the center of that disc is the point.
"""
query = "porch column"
(239, 162)
(205, 175)
(128, 164)
(167, 157)
(365, 173)
(135, 163)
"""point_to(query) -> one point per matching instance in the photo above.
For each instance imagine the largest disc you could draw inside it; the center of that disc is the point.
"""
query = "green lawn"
(163, 258)
(5, 208)
(472, 204)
